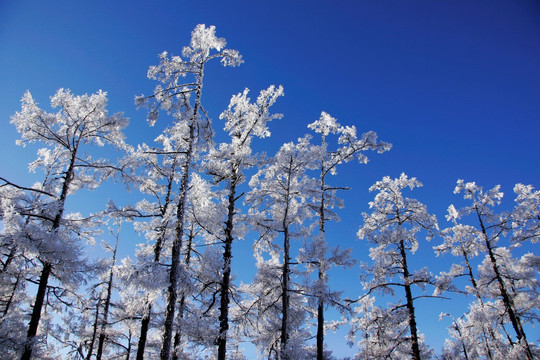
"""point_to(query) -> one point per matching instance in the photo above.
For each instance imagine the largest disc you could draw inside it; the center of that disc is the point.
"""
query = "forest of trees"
(193, 198)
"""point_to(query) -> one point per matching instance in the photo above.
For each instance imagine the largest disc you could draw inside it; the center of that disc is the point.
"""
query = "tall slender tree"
(464, 241)
(227, 163)
(491, 228)
(175, 96)
(50, 233)
(279, 204)
(393, 228)
(329, 157)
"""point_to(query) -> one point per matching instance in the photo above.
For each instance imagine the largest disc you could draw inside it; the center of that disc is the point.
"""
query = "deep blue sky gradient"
(454, 85)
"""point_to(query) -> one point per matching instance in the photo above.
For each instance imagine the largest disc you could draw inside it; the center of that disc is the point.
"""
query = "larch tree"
(183, 99)
(329, 156)
(280, 205)
(525, 222)
(499, 275)
(44, 229)
(227, 163)
(156, 175)
(474, 338)
(393, 228)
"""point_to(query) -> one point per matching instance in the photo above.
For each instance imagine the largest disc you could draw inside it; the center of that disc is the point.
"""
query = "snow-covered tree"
(279, 204)
(393, 228)
(36, 222)
(526, 215)
(227, 163)
(174, 95)
(156, 173)
(500, 276)
(474, 338)
(329, 155)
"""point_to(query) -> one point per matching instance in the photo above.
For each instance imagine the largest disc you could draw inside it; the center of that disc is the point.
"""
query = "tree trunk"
(47, 266)
(9, 301)
(145, 321)
(481, 302)
(415, 347)
(507, 300)
(94, 332)
(104, 324)
(286, 270)
(285, 296)
(36, 311)
(320, 327)
(226, 279)
(320, 306)
(172, 291)
(182, 304)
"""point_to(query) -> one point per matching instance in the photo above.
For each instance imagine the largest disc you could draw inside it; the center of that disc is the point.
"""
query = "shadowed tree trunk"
(158, 246)
(226, 279)
(94, 332)
(47, 267)
(507, 300)
(104, 324)
(410, 306)
(285, 296)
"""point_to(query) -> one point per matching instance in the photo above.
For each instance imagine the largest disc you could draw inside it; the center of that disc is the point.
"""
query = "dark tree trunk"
(172, 291)
(415, 347)
(9, 301)
(36, 311)
(104, 324)
(94, 332)
(507, 300)
(320, 327)
(320, 305)
(479, 297)
(182, 303)
(145, 321)
(226, 279)
(285, 296)
(47, 267)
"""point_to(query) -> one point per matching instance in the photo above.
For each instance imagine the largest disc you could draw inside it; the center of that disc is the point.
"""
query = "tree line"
(195, 198)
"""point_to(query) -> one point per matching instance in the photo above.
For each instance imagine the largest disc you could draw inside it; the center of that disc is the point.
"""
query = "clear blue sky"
(454, 85)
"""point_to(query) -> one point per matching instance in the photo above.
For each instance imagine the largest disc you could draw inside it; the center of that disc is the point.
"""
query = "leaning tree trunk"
(507, 300)
(47, 266)
(415, 347)
(172, 291)
(481, 302)
(94, 331)
(182, 303)
(101, 340)
(145, 321)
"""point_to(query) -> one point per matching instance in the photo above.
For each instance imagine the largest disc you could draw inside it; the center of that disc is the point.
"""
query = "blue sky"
(453, 85)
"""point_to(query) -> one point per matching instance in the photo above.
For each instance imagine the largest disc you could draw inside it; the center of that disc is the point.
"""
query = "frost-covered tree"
(182, 99)
(156, 173)
(87, 329)
(393, 228)
(226, 164)
(500, 276)
(279, 205)
(39, 226)
(329, 155)
(526, 215)
(474, 338)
